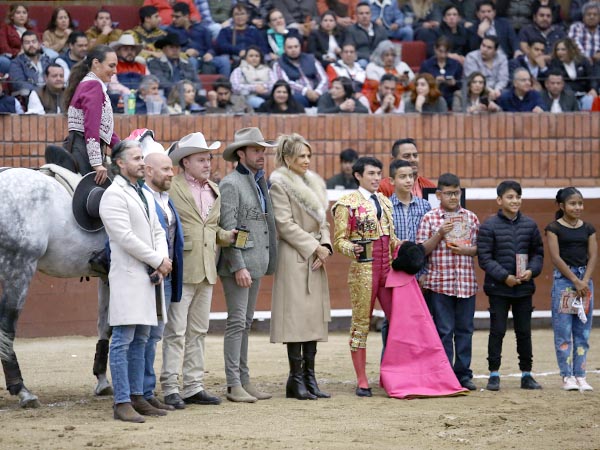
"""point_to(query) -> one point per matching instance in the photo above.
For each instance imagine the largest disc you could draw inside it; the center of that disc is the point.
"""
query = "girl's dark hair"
(52, 23)
(293, 106)
(347, 85)
(329, 13)
(256, 48)
(12, 9)
(82, 68)
(562, 196)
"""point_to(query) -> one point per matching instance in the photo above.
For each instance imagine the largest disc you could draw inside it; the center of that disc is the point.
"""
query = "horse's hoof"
(28, 400)
(103, 387)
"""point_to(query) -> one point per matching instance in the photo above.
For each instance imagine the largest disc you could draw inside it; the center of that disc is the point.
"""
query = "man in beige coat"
(198, 202)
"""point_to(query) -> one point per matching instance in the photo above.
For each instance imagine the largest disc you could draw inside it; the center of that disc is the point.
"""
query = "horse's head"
(146, 139)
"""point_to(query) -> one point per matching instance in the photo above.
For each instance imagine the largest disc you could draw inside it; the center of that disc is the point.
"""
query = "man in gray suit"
(555, 98)
(245, 204)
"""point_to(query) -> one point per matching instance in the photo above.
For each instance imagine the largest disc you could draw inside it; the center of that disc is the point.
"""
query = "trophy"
(364, 225)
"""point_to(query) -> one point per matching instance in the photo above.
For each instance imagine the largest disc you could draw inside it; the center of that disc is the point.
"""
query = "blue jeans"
(570, 334)
(127, 360)
(453, 317)
(404, 33)
(156, 334)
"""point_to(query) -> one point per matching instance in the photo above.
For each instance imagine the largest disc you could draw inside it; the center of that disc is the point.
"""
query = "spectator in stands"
(344, 10)
(518, 12)
(533, 60)
(348, 67)
(234, 40)
(446, 71)
(522, 97)
(276, 33)
(165, 9)
(257, 11)
(586, 34)
(49, 99)
(491, 63)
(301, 15)
(554, 6)
(425, 14)
(345, 179)
(466, 10)
(216, 14)
(556, 98)
(102, 32)
(253, 79)
(222, 101)
(129, 71)
(576, 10)
(542, 29)
(325, 43)
(27, 69)
(498, 27)
(17, 23)
(340, 99)
(386, 99)
(425, 96)
(451, 27)
(148, 92)
(58, 30)
(576, 70)
(9, 104)
(148, 32)
(474, 98)
(364, 34)
(171, 67)
(388, 14)
(77, 50)
(385, 59)
(302, 71)
(182, 99)
(281, 101)
(196, 42)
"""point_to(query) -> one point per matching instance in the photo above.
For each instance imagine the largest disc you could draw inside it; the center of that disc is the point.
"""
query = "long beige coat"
(300, 303)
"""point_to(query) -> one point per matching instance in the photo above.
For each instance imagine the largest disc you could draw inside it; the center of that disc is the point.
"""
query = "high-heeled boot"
(309, 351)
(295, 387)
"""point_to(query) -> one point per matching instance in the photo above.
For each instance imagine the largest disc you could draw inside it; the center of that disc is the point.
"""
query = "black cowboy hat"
(169, 39)
(86, 202)
(410, 259)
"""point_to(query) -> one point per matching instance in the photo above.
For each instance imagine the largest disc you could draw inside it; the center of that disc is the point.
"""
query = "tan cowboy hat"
(126, 40)
(190, 144)
(244, 138)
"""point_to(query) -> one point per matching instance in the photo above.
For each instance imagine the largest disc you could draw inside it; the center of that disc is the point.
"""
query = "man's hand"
(165, 267)
(526, 275)
(101, 174)
(208, 57)
(243, 278)
(512, 281)
(312, 95)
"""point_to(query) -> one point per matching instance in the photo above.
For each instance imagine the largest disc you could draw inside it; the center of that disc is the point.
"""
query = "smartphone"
(484, 101)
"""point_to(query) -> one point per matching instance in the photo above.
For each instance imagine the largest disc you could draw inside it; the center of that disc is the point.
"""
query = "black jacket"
(499, 241)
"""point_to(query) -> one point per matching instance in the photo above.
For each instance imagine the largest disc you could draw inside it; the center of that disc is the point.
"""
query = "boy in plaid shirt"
(449, 235)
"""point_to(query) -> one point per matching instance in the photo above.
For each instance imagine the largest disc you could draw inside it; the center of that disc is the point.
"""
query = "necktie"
(377, 205)
(143, 198)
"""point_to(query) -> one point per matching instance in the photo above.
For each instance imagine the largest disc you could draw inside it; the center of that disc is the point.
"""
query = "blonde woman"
(300, 304)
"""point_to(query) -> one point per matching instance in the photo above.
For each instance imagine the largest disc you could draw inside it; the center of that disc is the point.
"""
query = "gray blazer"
(567, 101)
(240, 206)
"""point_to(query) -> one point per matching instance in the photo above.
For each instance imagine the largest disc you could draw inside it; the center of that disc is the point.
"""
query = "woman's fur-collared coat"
(300, 304)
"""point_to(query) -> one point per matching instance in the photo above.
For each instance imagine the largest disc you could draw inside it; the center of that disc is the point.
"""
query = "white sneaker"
(570, 384)
(583, 384)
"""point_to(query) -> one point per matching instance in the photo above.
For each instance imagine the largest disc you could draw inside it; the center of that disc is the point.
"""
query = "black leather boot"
(309, 350)
(295, 387)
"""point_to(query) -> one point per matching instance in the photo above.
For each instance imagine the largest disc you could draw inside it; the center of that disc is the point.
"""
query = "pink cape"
(414, 363)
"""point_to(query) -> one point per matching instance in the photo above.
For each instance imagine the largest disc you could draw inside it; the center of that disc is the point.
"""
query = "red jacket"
(10, 41)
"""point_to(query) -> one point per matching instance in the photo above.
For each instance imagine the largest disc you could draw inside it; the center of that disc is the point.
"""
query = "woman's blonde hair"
(289, 146)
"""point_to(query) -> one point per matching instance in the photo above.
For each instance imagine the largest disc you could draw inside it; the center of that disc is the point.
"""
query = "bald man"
(158, 173)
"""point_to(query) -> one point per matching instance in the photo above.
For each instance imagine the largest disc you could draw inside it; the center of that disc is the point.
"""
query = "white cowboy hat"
(190, 144)
(126, 40)
(244, 138)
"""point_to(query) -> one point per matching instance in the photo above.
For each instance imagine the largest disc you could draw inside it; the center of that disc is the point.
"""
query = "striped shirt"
(447, 273)
(408, 217)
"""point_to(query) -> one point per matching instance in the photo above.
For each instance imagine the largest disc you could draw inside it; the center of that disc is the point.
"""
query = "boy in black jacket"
(511, 252)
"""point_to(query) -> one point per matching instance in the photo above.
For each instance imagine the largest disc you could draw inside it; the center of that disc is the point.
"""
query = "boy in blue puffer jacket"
(511, 252)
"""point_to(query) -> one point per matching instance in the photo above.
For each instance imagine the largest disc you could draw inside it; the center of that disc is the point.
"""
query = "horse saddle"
(65, 177)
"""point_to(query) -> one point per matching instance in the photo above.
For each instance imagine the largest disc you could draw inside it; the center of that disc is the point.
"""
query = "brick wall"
(540, 150)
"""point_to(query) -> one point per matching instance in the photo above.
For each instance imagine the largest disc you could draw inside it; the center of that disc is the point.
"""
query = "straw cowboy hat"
(190, 144)
(244, 138)
(126, 40)
(86, 202)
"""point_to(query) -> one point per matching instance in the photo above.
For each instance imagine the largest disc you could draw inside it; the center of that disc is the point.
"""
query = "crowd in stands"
(334, 56)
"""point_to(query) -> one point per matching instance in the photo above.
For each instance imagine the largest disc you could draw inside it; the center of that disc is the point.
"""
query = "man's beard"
(33, 53)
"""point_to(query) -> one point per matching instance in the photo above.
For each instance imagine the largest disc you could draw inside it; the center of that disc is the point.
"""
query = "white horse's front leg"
(27, 399)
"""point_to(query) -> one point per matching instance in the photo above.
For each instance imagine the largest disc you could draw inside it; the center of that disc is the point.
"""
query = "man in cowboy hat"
(198, 202)
(246, 205)
(171, 67)
(129, 70)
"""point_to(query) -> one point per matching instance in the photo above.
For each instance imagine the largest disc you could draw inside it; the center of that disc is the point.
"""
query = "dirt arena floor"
(59, 370)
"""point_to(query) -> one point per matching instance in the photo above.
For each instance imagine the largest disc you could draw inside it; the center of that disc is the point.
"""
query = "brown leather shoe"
(140, 404)
(159, 405)
(126, 413)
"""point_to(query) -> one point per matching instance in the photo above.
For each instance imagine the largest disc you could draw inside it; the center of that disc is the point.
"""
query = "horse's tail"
(6, 346)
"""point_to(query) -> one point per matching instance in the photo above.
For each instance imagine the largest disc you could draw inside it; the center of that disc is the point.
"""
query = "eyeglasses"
(451, 194)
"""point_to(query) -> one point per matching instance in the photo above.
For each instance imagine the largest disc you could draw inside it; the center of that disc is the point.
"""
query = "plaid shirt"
(447, 273)
(408, 218)
(588, 43)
